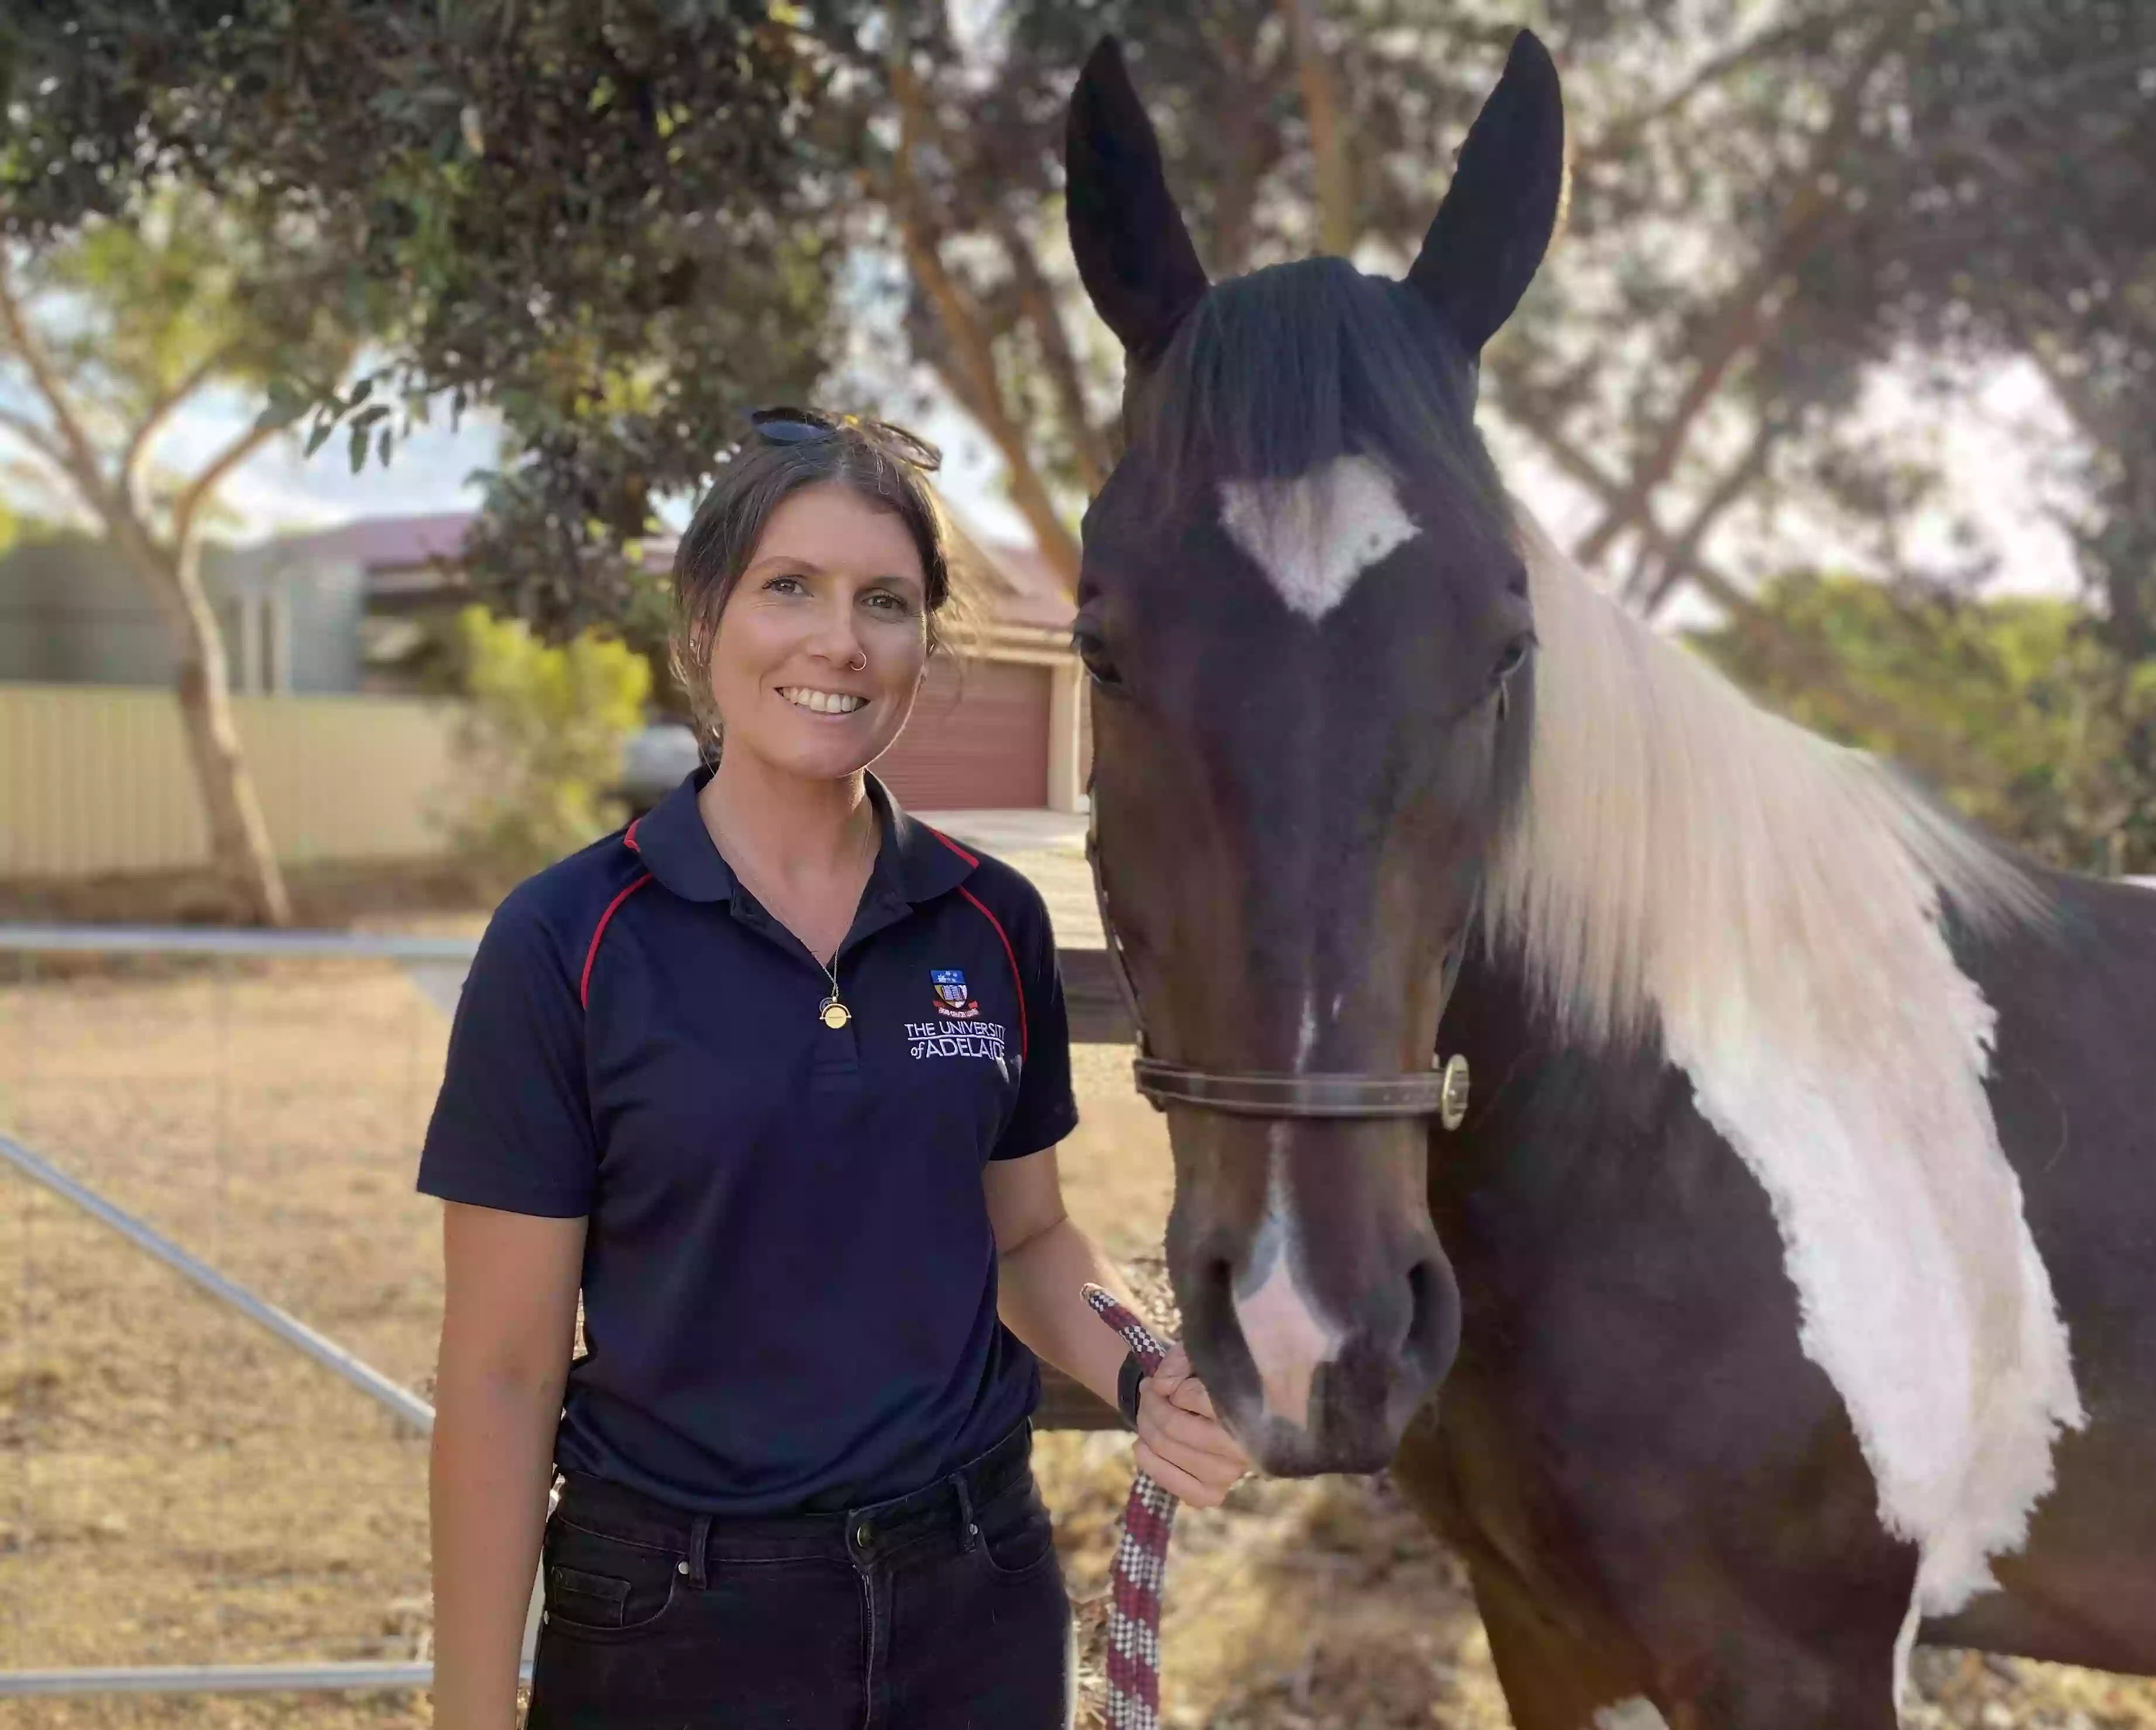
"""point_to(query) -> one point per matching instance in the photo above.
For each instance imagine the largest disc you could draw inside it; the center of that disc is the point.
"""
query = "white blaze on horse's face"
(1313, 535)
(1287, 1338)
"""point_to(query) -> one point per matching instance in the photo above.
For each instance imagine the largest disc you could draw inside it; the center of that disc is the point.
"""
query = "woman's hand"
(1182, 1445)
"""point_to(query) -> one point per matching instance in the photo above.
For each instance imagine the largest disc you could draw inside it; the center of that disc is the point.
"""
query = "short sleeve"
(513, 1125)
(1046, 1109)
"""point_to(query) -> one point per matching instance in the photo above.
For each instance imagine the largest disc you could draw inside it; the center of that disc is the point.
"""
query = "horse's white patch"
(1287, 1339)
(1313, 535)
(1634, 1714)
(1687, 863)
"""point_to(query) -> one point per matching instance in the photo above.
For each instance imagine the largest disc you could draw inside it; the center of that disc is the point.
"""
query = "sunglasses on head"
(786, 425)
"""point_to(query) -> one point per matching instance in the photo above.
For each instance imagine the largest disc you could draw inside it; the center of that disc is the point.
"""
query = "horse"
(1784, 1289)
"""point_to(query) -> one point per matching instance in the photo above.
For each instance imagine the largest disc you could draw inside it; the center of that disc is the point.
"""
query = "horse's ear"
(1134, 253)
(1491, 230)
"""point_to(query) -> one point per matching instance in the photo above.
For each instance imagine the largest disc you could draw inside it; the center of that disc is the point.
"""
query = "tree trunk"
(1329, 148)
(240, 849)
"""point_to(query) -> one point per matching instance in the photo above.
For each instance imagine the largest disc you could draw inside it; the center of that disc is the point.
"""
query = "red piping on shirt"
(952, 845)
(1017, 981)
(591, 954)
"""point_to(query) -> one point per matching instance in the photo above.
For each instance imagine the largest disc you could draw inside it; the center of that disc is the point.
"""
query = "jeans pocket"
(601, 1588)
(1017, 1535)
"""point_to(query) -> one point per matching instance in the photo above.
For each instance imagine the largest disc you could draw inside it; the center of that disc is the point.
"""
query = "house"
(1000, 724)
(359, 608)
(71, 613)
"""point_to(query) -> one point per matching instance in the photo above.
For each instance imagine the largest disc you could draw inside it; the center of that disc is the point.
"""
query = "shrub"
(539, 749)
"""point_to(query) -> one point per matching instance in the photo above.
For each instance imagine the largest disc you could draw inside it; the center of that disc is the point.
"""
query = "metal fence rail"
(294, 1333)
(437, 965)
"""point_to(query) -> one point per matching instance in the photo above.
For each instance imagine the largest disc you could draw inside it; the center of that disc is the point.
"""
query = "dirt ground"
(177, 1487)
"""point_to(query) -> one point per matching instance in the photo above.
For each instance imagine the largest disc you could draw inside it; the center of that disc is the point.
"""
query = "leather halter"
(1440, 1092)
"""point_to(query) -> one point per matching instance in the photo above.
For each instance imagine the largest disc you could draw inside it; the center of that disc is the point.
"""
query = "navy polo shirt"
(790, 1277)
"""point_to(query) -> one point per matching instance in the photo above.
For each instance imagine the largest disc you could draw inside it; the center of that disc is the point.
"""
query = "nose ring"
(860, 663)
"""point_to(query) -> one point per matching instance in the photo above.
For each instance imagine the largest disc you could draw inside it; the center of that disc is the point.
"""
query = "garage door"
(977, 740)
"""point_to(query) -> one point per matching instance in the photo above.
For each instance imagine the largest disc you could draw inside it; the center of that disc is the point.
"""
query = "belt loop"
(968, 1530)
(700, 1539)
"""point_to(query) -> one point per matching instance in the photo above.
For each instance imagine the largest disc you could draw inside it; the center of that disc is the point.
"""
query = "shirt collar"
(920, 862)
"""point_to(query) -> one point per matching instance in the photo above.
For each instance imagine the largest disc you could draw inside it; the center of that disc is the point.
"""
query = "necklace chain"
(832, 1011)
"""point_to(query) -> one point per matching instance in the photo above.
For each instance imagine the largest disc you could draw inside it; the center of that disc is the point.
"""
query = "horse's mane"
(1677, 843)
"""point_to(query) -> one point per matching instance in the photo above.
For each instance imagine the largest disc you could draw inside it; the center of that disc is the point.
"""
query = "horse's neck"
(1541, 1109)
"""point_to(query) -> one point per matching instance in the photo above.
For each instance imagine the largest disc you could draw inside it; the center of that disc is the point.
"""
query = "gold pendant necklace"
(833, 1014)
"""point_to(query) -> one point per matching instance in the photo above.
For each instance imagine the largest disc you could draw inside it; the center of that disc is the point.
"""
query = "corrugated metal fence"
(96, 779)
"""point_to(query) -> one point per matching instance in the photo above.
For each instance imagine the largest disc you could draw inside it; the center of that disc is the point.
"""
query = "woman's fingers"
(1166, 1424)
(1175, 1370)
(1191, 1395)
(1183, 1486)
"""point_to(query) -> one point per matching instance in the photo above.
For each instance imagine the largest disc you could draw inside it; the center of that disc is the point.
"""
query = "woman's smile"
(834, 704)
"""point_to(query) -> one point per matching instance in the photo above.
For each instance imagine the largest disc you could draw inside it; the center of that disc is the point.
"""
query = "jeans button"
(862, 1534)
(680, 1568)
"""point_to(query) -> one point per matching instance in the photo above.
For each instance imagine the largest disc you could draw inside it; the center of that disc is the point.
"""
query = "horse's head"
(1307, 623)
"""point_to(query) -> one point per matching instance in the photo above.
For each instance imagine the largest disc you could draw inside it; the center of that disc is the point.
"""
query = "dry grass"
(179, 1488)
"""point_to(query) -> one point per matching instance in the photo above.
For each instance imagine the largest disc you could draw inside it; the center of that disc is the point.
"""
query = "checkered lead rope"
(1141, 1561)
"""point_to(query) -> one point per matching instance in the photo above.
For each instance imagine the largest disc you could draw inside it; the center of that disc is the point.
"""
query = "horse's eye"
(1513, 659)
(1093, 650)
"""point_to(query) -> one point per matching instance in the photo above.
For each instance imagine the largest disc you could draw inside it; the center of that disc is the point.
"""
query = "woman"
(775, 1078)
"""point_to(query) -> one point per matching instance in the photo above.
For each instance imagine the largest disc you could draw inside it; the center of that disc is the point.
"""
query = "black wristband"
(1128, 1381)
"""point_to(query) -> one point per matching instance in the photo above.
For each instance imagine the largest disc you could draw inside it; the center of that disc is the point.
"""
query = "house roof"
(384, 543)
(1012, 584)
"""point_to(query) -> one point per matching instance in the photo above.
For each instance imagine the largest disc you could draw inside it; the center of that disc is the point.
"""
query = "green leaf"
(321, 435)
(367, 416)
(385, 445)
(288, 400)
(277, 415)
(358, 448)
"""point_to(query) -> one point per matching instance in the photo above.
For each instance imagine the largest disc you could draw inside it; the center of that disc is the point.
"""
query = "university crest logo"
(951, 995)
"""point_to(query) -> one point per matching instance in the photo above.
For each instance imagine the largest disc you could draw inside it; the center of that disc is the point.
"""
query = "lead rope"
(1141, 1560)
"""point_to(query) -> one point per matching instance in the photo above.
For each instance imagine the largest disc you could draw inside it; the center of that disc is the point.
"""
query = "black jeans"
(942, 1610)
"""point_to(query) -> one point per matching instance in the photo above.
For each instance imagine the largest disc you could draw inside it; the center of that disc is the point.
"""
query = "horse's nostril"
(1217, 1281)
(1433, 1333)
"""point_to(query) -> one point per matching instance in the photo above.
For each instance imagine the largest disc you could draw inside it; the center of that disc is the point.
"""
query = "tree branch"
(1799, 660)
(1649, 597)
(70, 446)
(161, 410)
(1320, 111)
(198, 491)
(39, 439)
(1740, 321)
(969, 341)
(1620, 135)
(1088, 444)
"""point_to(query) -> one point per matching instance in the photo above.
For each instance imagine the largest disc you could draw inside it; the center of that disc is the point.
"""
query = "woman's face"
(821, 647)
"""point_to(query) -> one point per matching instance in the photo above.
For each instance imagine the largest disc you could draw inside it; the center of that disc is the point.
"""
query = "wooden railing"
(1098, 1018)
